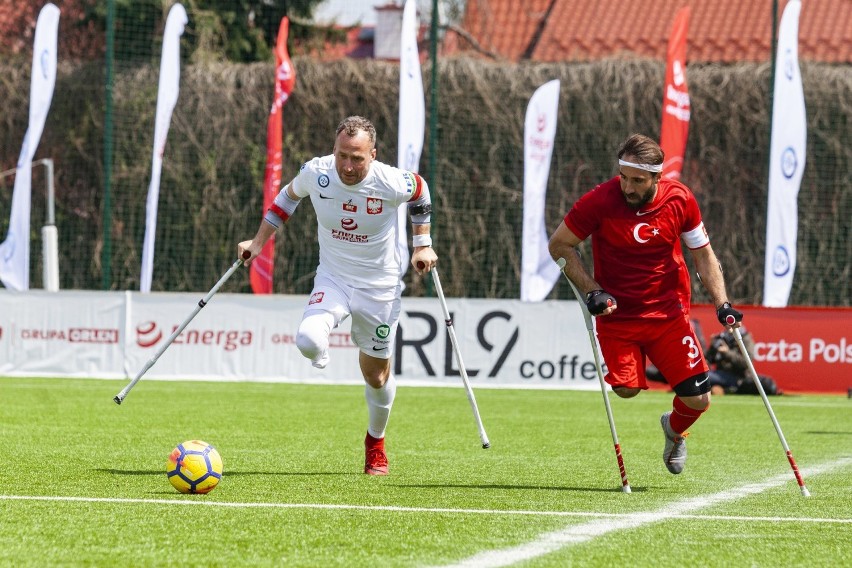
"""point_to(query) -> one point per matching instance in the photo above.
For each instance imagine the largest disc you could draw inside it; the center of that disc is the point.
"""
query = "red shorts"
(670, 344)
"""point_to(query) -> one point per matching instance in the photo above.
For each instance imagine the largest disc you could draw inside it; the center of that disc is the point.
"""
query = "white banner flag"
(412, 114)
(786, 163)
(167, 95)
(538, 271)
(15, 250)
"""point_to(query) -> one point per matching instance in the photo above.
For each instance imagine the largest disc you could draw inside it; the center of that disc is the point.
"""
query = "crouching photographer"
(729, 373)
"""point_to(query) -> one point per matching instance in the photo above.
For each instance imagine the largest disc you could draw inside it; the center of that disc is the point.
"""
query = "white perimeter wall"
(247, 337)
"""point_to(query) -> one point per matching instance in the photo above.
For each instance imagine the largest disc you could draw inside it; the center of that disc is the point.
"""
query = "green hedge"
(212, 177)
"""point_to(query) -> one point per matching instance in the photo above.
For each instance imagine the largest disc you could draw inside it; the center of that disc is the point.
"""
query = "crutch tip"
(117, 399)
(486, 445)
(626, 489)
(805, 492)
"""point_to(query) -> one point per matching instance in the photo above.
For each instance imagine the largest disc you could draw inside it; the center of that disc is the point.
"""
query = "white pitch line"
(396, 509)
(577, 534)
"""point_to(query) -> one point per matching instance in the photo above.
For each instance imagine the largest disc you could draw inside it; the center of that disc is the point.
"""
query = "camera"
(717, 341)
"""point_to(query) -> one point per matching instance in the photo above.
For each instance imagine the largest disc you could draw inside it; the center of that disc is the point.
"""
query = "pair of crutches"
(203, 302)
(625, 485)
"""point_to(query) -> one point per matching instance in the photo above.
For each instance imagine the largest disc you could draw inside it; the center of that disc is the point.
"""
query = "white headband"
(647, 167)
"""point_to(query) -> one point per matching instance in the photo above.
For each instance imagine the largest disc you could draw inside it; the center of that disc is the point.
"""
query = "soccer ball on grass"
(194, 467)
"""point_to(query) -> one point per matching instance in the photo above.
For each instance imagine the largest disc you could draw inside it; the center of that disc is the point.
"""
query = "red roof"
(720, 31)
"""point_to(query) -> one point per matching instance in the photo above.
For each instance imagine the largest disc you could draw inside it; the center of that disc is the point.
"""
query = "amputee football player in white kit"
(360, 270)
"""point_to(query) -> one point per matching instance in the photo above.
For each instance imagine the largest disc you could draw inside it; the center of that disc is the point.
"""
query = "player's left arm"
(420, 210)
(695, 237)
(710, 273)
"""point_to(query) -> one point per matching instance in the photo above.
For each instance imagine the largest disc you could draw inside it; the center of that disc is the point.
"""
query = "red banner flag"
(675, 127)
(260, 272)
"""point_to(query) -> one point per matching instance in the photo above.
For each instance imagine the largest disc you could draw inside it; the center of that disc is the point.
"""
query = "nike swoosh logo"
(699, 383)
(379, 348)
(693, 364)
(640, 213)
(324, 197)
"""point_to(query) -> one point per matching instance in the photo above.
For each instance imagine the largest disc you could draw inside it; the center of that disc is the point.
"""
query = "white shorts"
(375, 312)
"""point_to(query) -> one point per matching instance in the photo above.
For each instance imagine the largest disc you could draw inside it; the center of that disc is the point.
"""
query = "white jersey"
(357, 224)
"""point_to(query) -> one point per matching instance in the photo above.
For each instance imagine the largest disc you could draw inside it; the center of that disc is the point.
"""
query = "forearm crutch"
(625, 485)
(482, 435)
(201, 303)
(738, 336)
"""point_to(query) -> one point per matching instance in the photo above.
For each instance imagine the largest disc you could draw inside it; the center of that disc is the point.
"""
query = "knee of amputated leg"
(312, 337)
(626, 392)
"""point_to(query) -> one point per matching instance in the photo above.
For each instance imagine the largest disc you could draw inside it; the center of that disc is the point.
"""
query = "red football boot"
(376, 461)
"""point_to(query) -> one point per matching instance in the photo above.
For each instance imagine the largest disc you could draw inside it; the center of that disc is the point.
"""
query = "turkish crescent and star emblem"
(643, 232)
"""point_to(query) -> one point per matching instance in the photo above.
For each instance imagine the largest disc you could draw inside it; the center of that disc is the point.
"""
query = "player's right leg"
(327, 307)
(625, 361)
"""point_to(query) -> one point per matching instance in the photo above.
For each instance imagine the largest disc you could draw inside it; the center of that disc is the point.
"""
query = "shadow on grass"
(228, 473)
(831, 432)
(532, 487)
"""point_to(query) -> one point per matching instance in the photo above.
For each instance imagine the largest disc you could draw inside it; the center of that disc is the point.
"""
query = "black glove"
(597, 301)
(727, 315)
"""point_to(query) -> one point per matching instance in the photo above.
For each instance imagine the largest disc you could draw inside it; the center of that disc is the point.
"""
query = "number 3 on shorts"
(693, 352)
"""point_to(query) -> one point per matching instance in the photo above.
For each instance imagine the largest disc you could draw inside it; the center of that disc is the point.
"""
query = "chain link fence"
(213, 165)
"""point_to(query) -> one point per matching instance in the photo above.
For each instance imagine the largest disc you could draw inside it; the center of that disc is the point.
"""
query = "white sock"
(379, 402)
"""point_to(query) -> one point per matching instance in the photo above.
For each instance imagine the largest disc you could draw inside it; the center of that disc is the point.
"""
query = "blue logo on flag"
(789, 63)
(789, 162)
(9, 245)
(45, 63)
(780, 261)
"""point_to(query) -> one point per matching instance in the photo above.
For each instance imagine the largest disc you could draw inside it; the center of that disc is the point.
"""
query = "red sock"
(682, 416)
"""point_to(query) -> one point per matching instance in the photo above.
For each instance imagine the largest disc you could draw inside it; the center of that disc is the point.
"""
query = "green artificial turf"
(293, 493)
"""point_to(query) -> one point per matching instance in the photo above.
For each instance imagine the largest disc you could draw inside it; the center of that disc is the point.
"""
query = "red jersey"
(637, 254)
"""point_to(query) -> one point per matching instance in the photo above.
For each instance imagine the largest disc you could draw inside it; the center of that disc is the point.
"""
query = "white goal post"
(49, 236)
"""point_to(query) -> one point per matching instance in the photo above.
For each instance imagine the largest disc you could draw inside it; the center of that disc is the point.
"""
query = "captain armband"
(420, 206)
(281, 209)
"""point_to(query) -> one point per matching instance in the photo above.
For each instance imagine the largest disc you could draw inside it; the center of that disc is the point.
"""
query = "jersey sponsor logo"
(323, 180)
(348, 237)
(351, 207)
(348, 224)
(692, 366)
(325, 196)
(383, 331)
(699, 383)
(643, 232)
(374, 206)
(641, 213)
(316, 298)
(379, 348)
